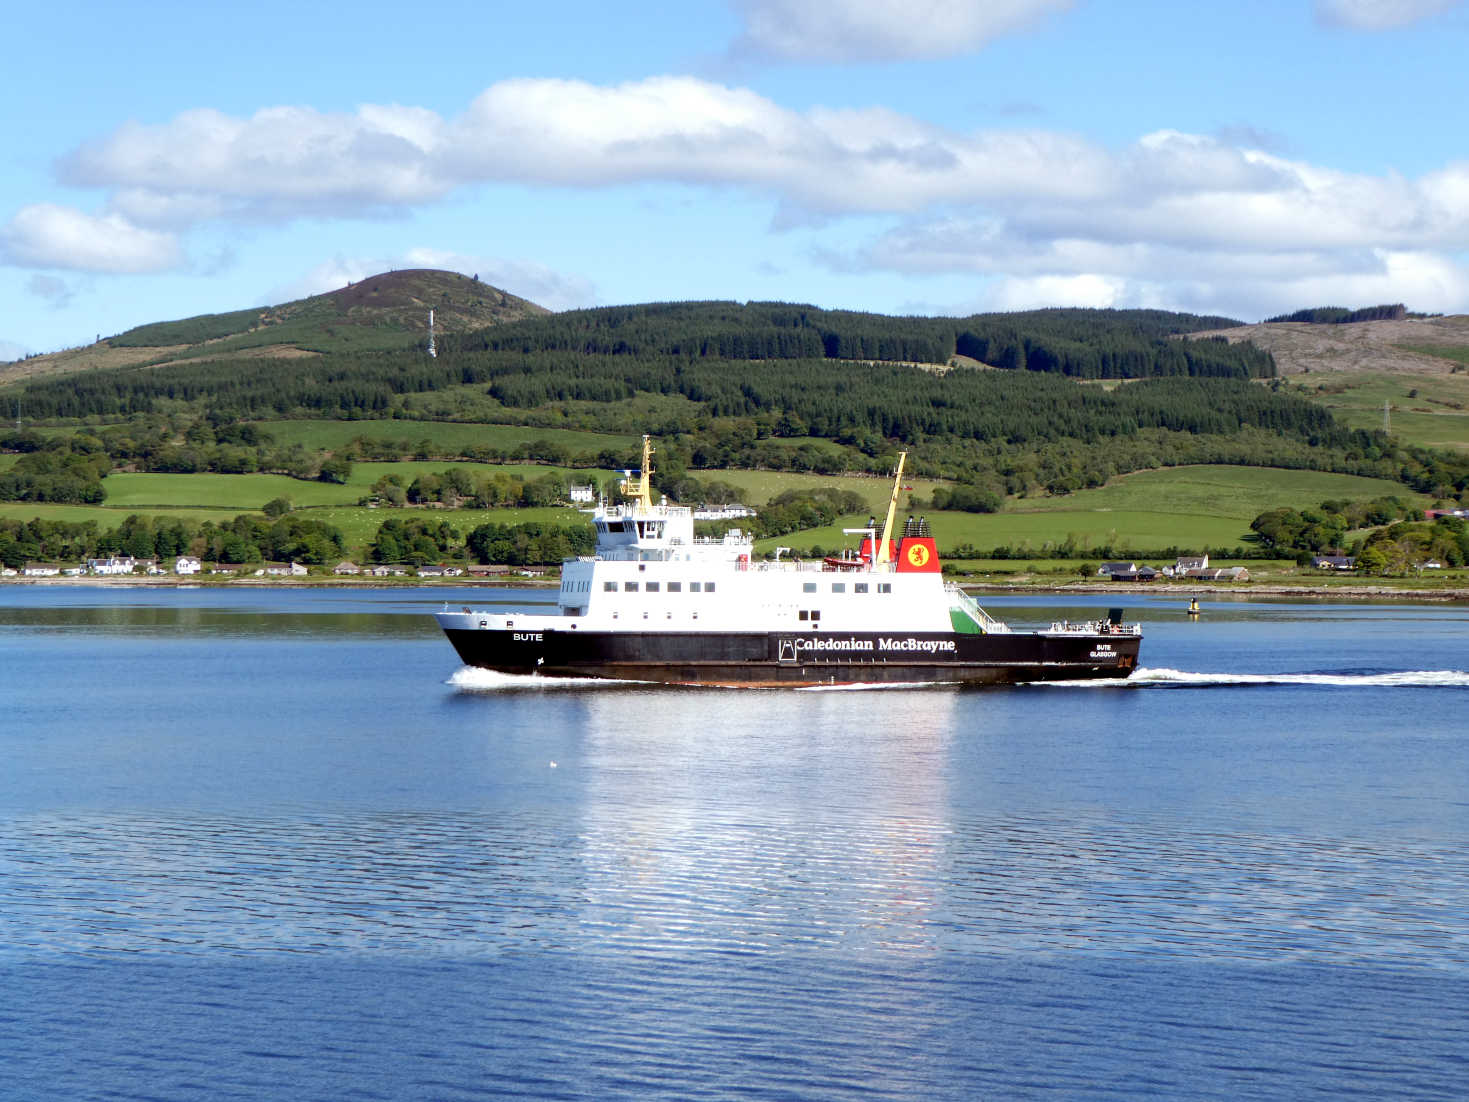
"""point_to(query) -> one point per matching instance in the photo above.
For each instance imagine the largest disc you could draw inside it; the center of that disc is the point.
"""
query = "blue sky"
(930, 157)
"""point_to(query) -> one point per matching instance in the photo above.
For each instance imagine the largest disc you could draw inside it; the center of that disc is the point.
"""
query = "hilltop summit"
(381, 312)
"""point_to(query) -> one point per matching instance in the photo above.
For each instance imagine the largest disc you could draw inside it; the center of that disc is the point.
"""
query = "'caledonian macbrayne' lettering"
(909, 644)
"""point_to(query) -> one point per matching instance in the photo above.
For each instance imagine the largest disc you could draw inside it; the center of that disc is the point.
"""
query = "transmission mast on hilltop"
(432, 351)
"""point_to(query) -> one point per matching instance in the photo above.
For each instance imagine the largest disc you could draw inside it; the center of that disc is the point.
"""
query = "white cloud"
(294, 162)
(1086, 289)
(1379, 15)
(279, 163)
(44, 235)
(1424, 281)
(1029, 204)
(880, 30)
(526, 279)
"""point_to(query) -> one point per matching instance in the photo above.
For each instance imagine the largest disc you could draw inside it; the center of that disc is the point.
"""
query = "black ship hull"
(778, 658)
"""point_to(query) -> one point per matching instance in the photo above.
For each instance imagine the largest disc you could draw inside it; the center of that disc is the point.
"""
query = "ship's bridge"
(660, 532)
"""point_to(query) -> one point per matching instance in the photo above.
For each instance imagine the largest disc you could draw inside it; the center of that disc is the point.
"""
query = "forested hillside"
(1085, 344)
(797, 388)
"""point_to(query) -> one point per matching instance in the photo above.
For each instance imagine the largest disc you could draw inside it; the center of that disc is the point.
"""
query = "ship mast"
(887, 528)
(641, 490)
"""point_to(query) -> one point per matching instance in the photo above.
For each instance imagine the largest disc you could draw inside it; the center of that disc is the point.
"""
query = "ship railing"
(1094, 627)
(971, 608)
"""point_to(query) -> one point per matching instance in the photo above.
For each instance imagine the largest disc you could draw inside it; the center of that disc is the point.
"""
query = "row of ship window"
(654, 587)
(708, 587)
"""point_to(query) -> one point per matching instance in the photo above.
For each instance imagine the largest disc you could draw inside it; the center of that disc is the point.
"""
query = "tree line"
(246, 538)
(1392, 534)
(1340, 315)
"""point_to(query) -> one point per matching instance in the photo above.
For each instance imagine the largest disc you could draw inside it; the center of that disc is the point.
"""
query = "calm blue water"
(276, 844)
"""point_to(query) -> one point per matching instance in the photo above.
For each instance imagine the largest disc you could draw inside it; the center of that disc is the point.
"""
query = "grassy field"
(1436, 416)
(1201, 506)
(1458, 355)
(761, 486)
(241, 492)
(1241, 493)
(365, 474)
(447, 436)
(236, 492)
(102, 516)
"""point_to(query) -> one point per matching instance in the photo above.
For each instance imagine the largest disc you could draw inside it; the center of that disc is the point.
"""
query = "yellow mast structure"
(887, 528)
(641, 490)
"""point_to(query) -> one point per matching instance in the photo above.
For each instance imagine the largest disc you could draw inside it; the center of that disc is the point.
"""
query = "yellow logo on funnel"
(917, 555)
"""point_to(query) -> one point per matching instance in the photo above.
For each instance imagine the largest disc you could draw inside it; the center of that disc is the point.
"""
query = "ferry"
(655, 603)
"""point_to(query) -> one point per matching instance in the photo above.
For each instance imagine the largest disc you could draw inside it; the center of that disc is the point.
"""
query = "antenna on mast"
(433, 353)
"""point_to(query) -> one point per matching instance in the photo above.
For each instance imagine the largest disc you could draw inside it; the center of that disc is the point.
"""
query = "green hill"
(382, 313)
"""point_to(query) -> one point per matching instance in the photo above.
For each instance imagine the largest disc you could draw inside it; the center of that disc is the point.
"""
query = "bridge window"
(884, 587)
(651, 587)
(693, 587)
(675, 587)
(609, 587)
(808, 587)
(629, 587)
(859, 587)
(838, 587)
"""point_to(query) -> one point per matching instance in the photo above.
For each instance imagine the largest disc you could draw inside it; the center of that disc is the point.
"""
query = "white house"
(1186, 563)
(41, 569)
(113, 564)
(582, 495)
(283, 570)
(186, 564)
(723, 512)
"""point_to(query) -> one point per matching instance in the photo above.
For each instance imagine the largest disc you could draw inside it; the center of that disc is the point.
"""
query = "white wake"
(1417, 679)
(472, 679)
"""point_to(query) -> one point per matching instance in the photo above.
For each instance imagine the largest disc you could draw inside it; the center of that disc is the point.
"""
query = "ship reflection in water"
(715, 862)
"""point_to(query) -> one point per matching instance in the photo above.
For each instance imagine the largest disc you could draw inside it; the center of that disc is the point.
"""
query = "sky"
(936, 157)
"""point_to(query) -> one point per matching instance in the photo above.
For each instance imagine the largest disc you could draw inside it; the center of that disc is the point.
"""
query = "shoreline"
(1307, 590)
(1227, 589)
